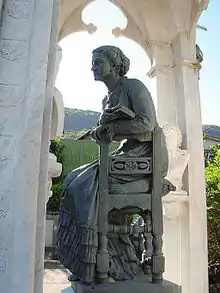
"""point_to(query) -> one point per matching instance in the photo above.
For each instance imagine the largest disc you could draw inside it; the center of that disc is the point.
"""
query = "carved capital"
(159, 69)
(193, 64)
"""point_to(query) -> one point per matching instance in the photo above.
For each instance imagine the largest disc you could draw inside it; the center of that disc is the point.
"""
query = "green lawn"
(77, 153)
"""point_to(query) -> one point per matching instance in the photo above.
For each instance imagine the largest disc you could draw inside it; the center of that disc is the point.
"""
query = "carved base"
(141, 284)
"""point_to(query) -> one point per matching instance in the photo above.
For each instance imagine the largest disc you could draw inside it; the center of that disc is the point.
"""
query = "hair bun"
(116, 57)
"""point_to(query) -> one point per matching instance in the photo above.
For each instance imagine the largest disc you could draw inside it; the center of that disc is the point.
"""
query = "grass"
(77, 153)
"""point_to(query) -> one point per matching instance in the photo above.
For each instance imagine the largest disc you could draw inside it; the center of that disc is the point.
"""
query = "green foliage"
(71, 154)
(77, 153)
(54, 202)
(56, 147)
(212, 172)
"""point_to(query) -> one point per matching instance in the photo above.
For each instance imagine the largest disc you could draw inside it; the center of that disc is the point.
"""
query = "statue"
(178, 157)
(128, 114)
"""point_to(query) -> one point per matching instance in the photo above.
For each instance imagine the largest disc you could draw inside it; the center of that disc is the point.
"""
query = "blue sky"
(75, 80)
(210, 74)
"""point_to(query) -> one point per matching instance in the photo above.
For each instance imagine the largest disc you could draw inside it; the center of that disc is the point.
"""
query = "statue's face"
(100, 66)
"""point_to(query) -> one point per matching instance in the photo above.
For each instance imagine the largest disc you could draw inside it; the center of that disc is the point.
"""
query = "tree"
(212, 172)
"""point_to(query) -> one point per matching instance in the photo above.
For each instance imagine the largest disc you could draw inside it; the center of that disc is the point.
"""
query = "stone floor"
(55, 277)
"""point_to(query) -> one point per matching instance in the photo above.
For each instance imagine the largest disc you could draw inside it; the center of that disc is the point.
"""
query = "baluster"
(102, 252)
(158, 261)
(147, 253)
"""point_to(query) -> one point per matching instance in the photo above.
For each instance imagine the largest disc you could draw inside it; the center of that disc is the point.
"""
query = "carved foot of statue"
(111, 280)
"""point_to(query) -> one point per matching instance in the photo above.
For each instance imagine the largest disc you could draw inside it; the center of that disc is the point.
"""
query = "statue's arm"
(143, 107)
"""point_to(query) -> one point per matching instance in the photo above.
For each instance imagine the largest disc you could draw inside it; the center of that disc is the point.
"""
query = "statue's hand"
(102, 133)
(107, 117)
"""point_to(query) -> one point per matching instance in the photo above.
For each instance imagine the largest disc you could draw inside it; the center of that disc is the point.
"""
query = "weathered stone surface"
(140, 285)
(178, 157)
(3, 261)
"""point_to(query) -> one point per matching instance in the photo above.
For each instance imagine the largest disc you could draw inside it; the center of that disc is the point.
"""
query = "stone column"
(195, 279)
(24, 42)
(176, 70)
(176, 235)
(45, 143)
(176, 207)
(173, 204)
(165, 83)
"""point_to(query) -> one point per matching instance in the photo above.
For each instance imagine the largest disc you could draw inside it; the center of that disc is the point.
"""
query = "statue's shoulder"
(132, 82)
(133, 85)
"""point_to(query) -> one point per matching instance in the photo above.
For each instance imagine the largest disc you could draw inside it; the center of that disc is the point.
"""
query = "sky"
(75, 80)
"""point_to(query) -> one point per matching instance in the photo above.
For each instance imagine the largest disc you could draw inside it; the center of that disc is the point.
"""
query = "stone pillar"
(24, 41)
(195, 278)
(165, 83)
(185, 243)
(173, 204)
(45, 143)
(176, 235)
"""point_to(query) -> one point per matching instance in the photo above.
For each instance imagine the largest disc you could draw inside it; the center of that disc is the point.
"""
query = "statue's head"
(109, 61)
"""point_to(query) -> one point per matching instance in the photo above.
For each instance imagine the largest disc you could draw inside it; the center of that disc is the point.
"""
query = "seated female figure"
(77, 235)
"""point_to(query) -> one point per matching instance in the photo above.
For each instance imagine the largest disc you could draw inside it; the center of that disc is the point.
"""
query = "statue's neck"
(112, 83)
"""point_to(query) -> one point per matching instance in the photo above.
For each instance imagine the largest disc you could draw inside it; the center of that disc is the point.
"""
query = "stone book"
(118, 112)
(121, 112)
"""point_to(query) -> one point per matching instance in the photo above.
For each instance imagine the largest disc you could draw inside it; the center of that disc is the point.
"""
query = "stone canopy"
(29, 35)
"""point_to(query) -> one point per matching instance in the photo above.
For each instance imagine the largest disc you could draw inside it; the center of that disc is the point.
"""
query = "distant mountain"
(76, 120)
(211, 131)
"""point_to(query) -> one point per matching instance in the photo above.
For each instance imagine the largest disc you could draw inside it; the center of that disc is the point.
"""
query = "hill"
(211, 131)
(76, 120)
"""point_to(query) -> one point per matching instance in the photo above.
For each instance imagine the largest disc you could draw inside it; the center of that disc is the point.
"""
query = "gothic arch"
(140, 21)
(146, 24)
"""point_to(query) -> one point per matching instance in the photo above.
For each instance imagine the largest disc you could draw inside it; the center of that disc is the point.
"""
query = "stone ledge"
(173, 204)
(176, 196)
(139, 285)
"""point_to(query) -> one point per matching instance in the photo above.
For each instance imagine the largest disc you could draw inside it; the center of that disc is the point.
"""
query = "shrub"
(56, 147)
(212, 172)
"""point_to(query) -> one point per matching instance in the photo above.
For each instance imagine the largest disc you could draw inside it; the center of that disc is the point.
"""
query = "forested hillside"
(76, 120)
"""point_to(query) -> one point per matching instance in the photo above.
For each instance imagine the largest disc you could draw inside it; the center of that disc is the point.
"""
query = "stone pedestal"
(176, 236)
(139, 285)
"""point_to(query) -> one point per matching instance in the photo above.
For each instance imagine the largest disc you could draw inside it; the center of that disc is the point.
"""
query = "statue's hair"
(115, 57)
